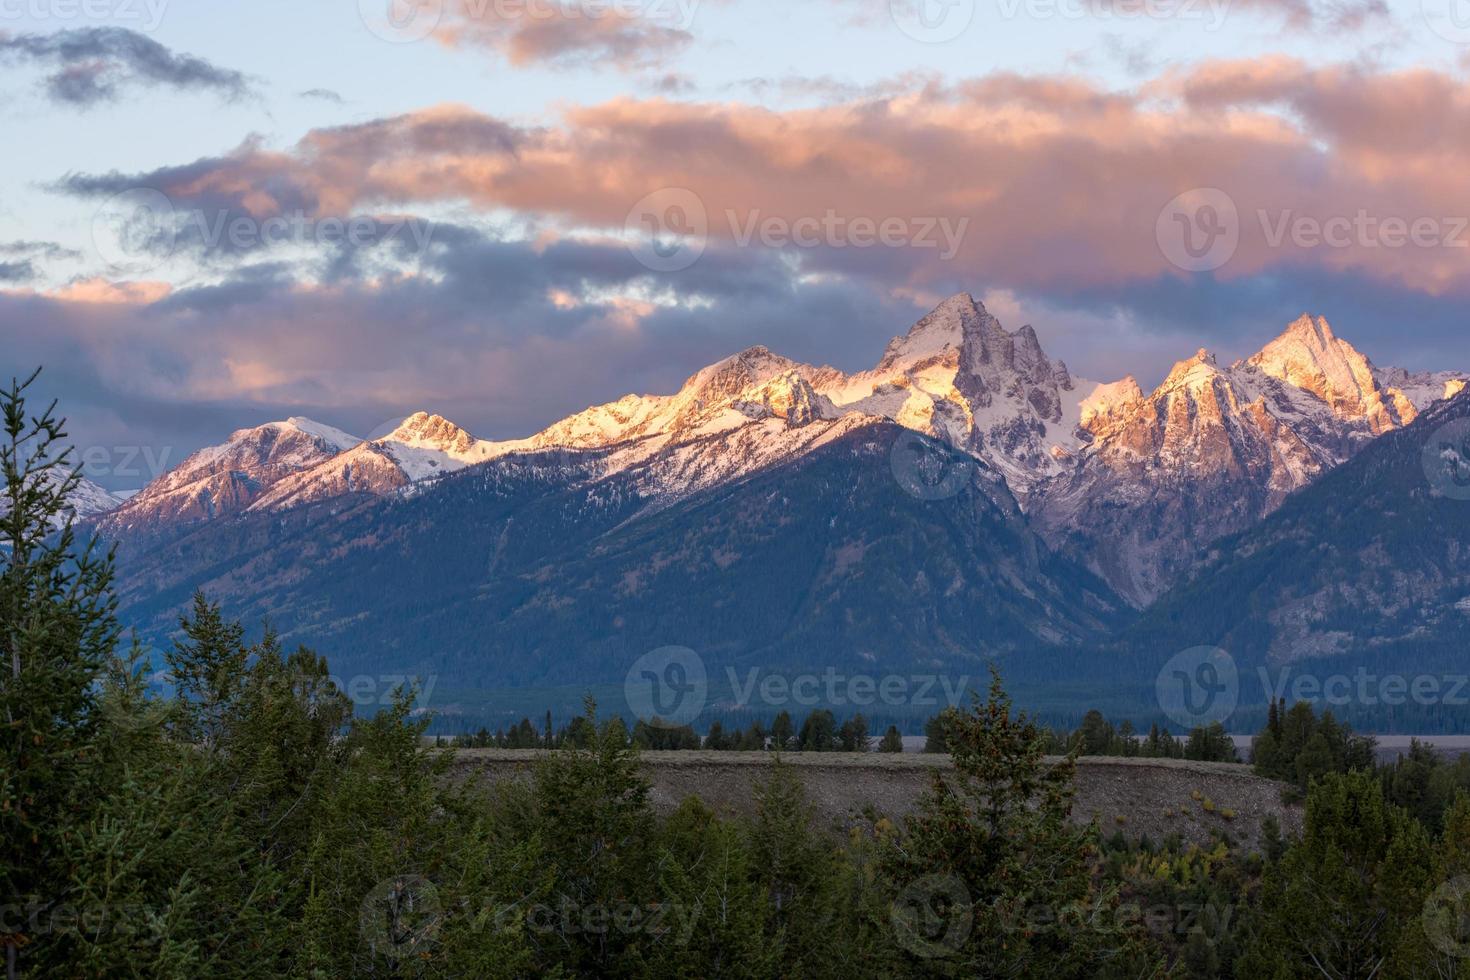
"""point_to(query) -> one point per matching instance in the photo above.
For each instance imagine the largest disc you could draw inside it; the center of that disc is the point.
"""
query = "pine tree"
(854, 734)
(783, 733)
(57, 633)
(892, 740)
(1346, 897)
(995, 839)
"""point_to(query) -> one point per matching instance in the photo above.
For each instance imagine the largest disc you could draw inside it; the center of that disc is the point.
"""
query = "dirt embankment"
(1137, 796)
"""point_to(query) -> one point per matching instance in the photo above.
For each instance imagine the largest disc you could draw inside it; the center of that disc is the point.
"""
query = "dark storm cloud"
(93, 65)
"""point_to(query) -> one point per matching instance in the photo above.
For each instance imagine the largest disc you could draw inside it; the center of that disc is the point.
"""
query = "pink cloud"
(1062, 182)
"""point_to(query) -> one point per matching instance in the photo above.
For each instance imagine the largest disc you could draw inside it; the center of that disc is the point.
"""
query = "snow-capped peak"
(1310, 357)
(425, 431)
(326, 433)
(1192, 371)
(1108, 400)
(943, 329)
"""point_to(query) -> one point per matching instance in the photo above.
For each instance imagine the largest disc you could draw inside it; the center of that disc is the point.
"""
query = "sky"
(214, 215)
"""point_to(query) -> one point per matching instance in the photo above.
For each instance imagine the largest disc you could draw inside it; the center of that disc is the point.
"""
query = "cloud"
(1062, 183)
(544, 32)
(322, 94)
(23, 271)
(46, 250)
(93, 65)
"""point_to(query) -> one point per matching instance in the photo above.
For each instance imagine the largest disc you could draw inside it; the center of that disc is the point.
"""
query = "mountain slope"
(421, 447)
(531, 569)
(1213, 450)
(1369, 561)
(1135, 485)
(222, 480)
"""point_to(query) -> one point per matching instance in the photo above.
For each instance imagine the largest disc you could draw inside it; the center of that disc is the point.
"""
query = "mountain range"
(966, 497)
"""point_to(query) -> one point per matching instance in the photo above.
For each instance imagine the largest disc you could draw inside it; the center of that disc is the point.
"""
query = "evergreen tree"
(819, 732)
(57, 634)
(783, 733)
(716, 740)
(892, 740)
(854, 734)
(995, 840)
(1343, 899)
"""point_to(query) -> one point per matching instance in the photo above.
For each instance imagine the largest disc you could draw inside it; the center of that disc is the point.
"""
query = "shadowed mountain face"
(521, 572)
(1369, 562)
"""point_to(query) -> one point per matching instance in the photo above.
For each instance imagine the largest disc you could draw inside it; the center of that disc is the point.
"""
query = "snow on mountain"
(1213, 450)
(960, 376)
(1310, 357)
(421, 447)
(1136, 484)
(1412, 393)
(86, 499)
(228, 478)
